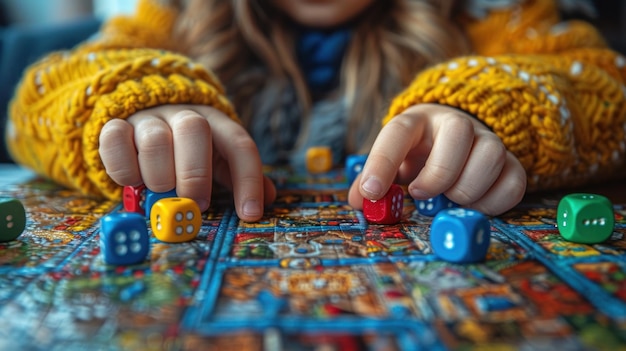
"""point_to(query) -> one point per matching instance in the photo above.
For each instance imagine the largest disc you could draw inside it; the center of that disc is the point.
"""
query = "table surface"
(311, 275)
(13, 174)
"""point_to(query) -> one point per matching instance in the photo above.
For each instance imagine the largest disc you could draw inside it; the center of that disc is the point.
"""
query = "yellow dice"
(175, 219)
(319, 159)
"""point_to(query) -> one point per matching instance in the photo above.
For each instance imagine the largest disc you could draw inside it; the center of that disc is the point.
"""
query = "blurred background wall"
(611, 21)
(31, 28)
(16, 12)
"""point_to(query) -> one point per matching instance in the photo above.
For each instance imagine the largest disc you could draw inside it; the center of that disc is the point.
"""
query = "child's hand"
(187, 147)
(438, 149)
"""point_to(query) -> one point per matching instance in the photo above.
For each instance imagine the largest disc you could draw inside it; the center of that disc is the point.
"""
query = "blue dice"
(12, 218)
(152, 197)
(354, 166)
(430, 207)
(460, 235)
(124, 238)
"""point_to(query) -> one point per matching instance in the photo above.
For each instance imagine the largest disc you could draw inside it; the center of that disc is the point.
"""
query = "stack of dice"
(124, 237)
(457, 234)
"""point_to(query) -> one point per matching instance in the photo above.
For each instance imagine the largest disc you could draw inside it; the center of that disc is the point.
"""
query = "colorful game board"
(311, 275)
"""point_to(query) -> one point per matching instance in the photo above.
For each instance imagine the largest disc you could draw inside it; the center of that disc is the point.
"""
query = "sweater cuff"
(524, 108)
(563, 132)
(175, 83)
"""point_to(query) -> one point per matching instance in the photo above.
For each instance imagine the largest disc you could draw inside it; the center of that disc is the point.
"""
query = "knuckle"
(493, 145)
(251, 180)
(401, 126)
(402, 121)
(195, 175)
(189, 122)
(515, 186)
(460, 123)
(242, 141)
(153, 140)
(439, 173)
(112, 132)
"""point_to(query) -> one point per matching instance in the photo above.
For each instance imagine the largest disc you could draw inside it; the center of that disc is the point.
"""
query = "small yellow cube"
(175, 219)
(319, 159)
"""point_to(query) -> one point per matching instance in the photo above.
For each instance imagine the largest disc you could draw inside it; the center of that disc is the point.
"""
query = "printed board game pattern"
(312, 274)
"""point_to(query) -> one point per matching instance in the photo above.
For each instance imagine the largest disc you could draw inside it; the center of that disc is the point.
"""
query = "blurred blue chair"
(21, 45)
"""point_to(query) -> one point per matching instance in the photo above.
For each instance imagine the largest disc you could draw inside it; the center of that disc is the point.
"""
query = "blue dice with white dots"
(354, 166)
(460, 235)
(124, 238)
(430, 207)
(152, 197)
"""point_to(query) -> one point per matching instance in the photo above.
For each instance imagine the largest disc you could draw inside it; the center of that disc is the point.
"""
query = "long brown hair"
(391, 42)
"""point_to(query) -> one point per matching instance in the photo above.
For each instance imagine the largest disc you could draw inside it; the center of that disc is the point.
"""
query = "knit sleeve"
(64, 100)
(551, 91)
(562, 116)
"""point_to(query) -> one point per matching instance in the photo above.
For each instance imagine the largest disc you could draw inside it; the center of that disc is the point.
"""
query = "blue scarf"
(320, 53)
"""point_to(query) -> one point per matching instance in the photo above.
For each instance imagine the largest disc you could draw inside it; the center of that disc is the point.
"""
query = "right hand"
(187, 147)
(438, 149)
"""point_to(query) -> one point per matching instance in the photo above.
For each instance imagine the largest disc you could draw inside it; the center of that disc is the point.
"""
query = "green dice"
(12, 218)
(585, 218)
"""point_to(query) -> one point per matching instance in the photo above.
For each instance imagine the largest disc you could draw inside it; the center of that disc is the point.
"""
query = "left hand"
(439, 149)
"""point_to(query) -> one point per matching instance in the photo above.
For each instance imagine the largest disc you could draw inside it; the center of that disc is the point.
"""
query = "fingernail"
(252, 208)
(372, 186)
(418, 194)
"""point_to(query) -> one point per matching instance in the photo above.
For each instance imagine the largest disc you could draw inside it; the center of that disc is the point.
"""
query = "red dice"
(133, 198)
(388, 209)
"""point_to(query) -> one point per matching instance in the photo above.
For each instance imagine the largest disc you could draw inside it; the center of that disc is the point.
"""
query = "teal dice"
(585, 218)
(12, 218)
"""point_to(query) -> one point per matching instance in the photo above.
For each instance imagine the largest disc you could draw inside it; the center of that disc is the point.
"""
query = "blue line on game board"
(299, 324)
(192, 316)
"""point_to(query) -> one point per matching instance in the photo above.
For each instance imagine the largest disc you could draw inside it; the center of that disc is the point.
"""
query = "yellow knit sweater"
(553, 93)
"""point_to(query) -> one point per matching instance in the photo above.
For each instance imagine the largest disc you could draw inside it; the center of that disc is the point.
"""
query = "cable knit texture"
(551, 91)
(65, 99)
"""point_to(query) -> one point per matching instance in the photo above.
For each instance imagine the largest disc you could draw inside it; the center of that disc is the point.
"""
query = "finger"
(222, 176)
(507, 191)
(453, 137)
(193, 150)
(118, 153)
(153, 140)
(238, 149)
(355, 198)
(269, 191)
(387, 154)
(483, 167)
